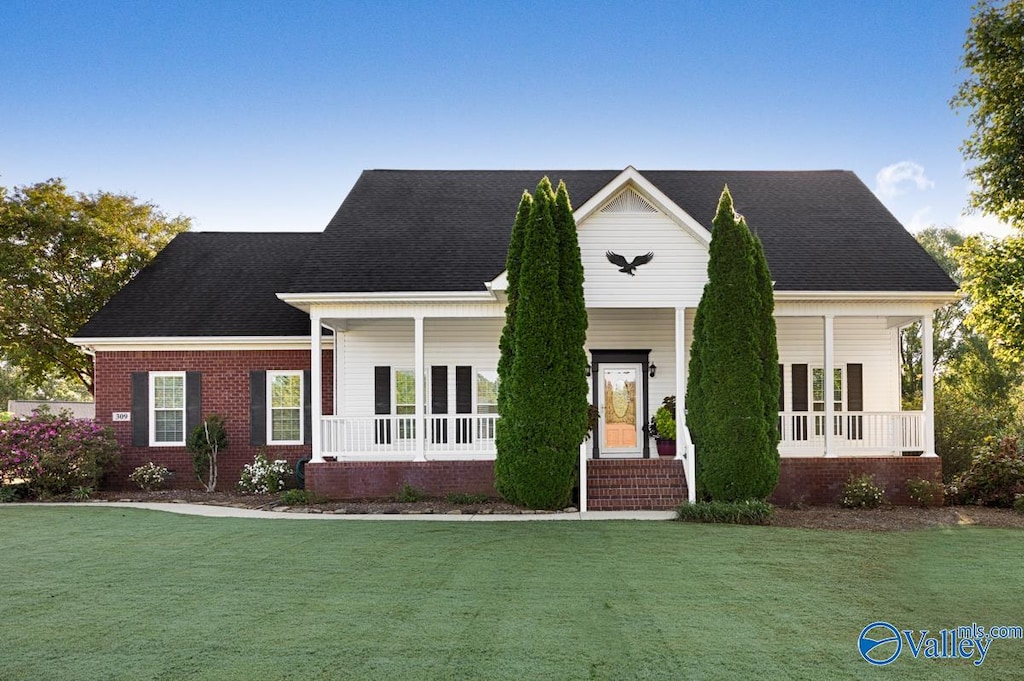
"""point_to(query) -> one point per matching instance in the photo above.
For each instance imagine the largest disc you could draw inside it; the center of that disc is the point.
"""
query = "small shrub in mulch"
(748, 512)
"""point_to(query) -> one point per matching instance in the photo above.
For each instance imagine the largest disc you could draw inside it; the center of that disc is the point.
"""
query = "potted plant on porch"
(663, 427)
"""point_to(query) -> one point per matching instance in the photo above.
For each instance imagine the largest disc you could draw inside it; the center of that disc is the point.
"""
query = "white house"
(402, 304)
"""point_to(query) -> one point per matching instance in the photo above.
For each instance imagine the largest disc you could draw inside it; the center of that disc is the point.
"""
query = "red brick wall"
(621, 485)
(347, 480)
(225, 392)
(820, 480)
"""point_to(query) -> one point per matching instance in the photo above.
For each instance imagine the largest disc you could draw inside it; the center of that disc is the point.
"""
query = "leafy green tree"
(540, 427)
(993, 276)
(950, 336)
(993, 92)
(62, 256)
(734, 405)
(15, 386)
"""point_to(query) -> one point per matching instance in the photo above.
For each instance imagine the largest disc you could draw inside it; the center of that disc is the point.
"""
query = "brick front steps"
(635, 484)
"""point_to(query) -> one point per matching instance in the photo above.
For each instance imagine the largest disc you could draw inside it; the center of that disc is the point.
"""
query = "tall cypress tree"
(543, 421)
(733, 404)
(506, 345)
(769, 353)
(574, 404)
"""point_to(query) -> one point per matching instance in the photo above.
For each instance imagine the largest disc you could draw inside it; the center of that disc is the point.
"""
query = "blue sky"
(260, 115)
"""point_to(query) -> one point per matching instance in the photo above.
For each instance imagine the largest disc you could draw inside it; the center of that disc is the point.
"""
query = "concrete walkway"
(233, 512)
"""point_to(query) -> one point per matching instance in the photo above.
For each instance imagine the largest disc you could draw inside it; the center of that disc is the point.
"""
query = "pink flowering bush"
(55, 454)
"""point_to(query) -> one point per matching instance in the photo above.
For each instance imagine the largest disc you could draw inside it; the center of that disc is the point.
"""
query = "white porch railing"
(397, 434)
(854, 431)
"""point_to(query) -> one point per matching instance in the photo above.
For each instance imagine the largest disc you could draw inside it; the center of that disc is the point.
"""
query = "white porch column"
(928, 387)
(829, 386)
(421, 426)
(682, 442)
(316, 383)
(583, 476)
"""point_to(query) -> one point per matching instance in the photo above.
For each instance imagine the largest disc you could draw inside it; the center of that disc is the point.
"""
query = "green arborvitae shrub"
(733, 400)
(538, 448)
(513, 263)
(573, 405)
(769, 356)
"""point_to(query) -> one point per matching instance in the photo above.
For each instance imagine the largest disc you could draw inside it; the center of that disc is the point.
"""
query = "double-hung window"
(167, 405)
(819, 394)
(486, 402)
(284, 403)
(405, 402)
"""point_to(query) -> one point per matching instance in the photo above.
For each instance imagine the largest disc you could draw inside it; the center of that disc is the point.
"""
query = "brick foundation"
(817, 481)
(347, 480)
(225, 392)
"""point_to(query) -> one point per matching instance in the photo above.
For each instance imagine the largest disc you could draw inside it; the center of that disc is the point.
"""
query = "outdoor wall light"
(588, 371)
(653, 370)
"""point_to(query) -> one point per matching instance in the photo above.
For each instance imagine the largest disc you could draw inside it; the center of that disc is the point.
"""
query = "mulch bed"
(886, 519)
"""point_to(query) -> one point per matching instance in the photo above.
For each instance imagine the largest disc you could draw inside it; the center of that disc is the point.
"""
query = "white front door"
(620, 394)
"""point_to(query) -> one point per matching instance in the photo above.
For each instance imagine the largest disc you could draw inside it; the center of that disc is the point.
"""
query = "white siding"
(389, 342)
(474, 342)
(675, 277)
(652, 330)
(858, 340)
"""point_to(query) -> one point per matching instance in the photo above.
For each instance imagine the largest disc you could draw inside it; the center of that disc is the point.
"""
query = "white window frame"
(153, 375)
(401, 432)
(271, 375)
(484, 429)
(829, 389)
(476, 391)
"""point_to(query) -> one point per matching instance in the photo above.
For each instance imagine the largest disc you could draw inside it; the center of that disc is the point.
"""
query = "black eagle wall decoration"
(628, 267)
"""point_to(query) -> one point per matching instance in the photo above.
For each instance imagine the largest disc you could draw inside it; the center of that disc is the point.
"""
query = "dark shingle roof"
(428, 230)
(210, 284)
(449, 230)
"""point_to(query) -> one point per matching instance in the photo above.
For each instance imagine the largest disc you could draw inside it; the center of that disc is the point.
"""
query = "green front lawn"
(93, 593)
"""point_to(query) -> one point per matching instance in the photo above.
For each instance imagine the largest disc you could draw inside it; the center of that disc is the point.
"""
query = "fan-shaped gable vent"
(629, 201)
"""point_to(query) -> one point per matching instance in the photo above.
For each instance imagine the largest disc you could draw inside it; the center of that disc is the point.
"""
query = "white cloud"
(892, 180)
(978, 223)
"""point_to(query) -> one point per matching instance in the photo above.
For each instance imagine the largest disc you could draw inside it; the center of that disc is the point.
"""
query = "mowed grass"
(96, 593)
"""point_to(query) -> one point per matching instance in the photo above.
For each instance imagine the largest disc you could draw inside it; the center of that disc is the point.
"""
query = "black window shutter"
(463, 390)
(307, 407)
(855, 387)
(193, 401)
(799, 387)
(463, 404)
(382, 390)
(382, 403)
(439, 390)
(439, 403)
(140, 409)
(257, 407)
(782, 387)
